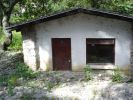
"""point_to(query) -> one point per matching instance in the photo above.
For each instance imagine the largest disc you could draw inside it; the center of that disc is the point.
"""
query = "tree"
(23, 10)
(119, 6)
(36, 8)
(6, 8)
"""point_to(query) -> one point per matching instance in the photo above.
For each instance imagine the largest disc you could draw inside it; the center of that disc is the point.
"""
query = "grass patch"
(117, 77)
(88, 73)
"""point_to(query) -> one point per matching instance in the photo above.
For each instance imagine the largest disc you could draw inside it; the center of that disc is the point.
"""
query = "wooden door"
(61, 48)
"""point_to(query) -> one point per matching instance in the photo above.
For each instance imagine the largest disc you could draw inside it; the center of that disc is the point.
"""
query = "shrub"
(27, 97)
(2, 36)
(10, 80)
(117, 77)
(87, 71)
(22, 70)
(16, 41)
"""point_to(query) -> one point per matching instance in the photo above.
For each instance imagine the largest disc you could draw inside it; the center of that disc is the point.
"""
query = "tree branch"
(12, 4)
(1, 5)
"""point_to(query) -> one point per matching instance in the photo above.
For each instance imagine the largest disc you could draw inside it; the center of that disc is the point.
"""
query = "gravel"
(61, 85)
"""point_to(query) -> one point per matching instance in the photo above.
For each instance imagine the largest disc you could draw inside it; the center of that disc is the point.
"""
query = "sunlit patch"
(44, 58)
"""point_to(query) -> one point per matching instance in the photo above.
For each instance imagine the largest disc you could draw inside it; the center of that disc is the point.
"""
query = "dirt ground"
(61, 85)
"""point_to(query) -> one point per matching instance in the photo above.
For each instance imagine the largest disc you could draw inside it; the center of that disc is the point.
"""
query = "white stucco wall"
(79, 27)
(29, 47)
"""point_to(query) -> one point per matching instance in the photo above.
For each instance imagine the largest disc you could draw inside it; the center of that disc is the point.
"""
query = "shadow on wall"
(30, 47)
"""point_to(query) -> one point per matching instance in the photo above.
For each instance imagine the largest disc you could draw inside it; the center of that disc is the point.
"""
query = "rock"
(8, 61)
(17, 96)
(118, 92)
(71, 86)
(1, 47)
(2, 94)
(39, 93)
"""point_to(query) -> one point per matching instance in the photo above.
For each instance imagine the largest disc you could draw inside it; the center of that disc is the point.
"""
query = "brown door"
(61, 53)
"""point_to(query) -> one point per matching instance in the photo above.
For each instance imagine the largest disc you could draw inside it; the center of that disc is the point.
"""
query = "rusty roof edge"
(90, 11)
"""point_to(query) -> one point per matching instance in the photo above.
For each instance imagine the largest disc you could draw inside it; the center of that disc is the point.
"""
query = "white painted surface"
(79, 27)
(29, 47)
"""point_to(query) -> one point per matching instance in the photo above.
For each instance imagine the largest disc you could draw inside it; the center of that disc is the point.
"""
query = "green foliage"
(31, 9)
(12, 82)
(16, 42)
(27, 97)
(21, 71)
(119, 6)
(27, 10)
(49, 85)
(88, 72)
(2, 36)
(117, 77)
(3, 80)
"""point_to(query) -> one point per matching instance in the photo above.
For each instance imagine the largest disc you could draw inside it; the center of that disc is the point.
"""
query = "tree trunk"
(6, 13)
(8, 40)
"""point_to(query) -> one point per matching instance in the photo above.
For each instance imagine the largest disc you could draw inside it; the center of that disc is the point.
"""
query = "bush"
(10, 80)
(23, 71)
(2, 36)
(87, 71)
(27, 97)
(16, 41)
(117, 77)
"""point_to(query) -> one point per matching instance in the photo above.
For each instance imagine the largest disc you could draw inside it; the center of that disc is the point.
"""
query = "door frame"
(70, 69)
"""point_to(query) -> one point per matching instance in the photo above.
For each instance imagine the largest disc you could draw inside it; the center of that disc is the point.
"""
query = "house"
(69, 40)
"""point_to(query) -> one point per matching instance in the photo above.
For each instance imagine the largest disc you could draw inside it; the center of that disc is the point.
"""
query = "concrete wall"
(79, 27)
(29, 47)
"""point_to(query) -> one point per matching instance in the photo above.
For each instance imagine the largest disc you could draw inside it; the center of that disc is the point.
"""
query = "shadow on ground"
(60, 85)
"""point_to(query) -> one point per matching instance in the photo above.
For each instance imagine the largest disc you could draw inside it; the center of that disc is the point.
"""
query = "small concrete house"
(69, 40)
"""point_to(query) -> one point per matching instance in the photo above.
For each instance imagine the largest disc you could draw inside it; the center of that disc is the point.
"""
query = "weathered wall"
(79, 27)
(29, 47)
(131, 59)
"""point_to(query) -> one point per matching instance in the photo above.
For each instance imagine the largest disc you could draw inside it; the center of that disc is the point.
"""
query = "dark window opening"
(100, 50)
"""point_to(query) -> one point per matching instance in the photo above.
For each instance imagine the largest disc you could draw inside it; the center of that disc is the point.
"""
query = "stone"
(8, 61)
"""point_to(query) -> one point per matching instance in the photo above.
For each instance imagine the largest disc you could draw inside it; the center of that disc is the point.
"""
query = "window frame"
(101, 39)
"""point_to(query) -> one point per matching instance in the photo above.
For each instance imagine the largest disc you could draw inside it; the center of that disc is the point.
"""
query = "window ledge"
(102, 66)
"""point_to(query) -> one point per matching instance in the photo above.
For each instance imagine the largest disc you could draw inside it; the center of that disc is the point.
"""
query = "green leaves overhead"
(120, 6)
(30, 9)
